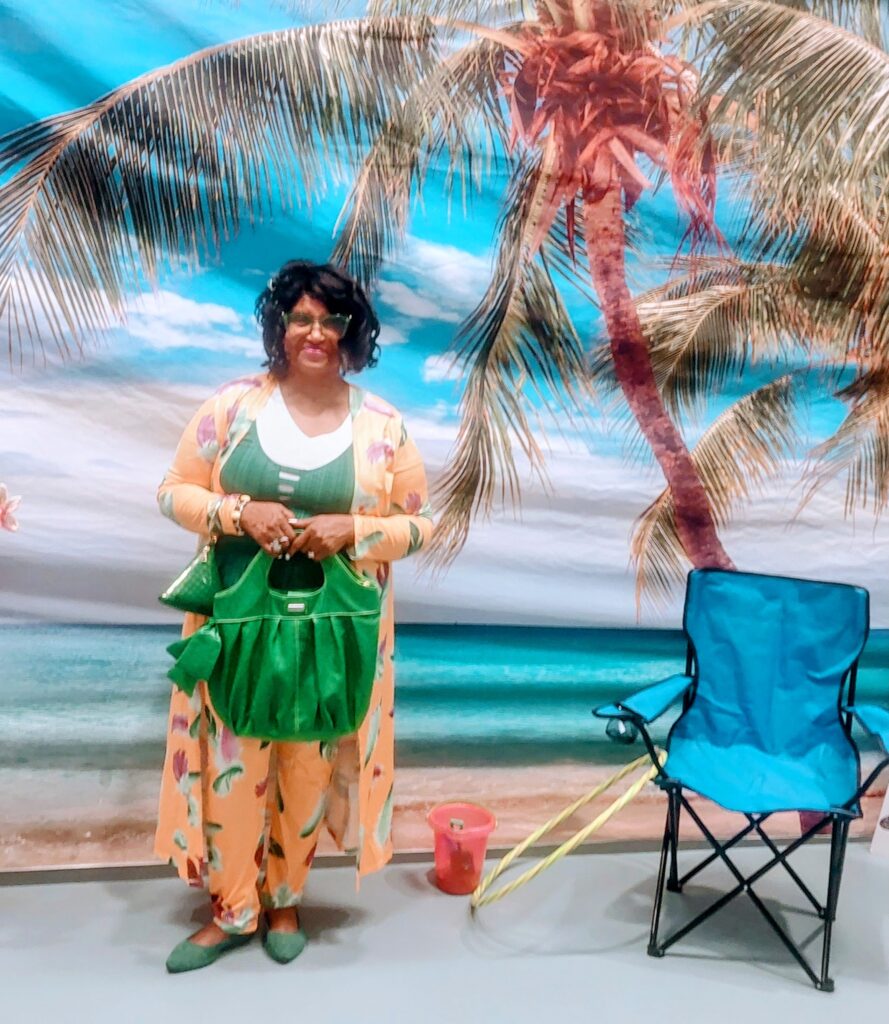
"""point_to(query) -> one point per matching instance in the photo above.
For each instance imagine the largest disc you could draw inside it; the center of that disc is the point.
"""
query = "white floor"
(569, 946)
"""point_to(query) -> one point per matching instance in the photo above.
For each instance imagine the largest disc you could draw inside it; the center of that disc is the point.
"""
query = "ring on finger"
(311, 554)
(283, 540)
(275, 547)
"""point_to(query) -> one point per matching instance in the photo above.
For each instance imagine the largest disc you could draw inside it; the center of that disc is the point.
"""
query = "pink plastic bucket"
(461, 842)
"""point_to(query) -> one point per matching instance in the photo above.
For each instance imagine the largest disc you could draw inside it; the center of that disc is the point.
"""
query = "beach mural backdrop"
(416, 153)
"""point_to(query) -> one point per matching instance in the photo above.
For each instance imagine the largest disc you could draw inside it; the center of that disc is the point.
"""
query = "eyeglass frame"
(319, 322)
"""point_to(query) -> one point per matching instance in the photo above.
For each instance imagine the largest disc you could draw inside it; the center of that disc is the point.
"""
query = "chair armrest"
(874, 719)
(648, 704)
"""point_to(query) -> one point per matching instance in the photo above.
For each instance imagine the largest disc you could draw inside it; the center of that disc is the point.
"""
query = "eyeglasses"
(334, 324)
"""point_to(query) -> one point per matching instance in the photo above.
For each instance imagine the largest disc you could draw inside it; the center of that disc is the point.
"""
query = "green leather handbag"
(195, 587)
(288, 665)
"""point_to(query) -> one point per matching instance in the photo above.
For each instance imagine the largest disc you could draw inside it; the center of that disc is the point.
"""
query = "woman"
(298, 461)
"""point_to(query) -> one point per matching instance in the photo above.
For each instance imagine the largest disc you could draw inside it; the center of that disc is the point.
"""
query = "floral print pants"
(244, 805)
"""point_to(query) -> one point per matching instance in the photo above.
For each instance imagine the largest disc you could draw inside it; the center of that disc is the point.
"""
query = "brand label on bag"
(296, 606)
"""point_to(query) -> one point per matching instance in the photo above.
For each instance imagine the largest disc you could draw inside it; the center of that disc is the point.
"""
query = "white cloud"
(410, 302)
(391, 336)
(176, 310)
(460, 275)
(439, 368)
(442, 411)
(563, 560)
(167, 320)
(161, 319)
(446, 281)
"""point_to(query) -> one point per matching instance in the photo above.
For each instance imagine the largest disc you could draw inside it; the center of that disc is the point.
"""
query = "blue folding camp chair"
(768, 699)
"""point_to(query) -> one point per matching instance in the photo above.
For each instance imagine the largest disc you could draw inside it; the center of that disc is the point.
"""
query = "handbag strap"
(255, 581)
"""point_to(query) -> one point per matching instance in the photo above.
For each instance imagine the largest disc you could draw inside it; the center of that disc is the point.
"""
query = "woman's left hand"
(322, 536)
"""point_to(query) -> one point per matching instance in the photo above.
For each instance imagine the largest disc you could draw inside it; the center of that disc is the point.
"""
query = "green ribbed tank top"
(306, 492)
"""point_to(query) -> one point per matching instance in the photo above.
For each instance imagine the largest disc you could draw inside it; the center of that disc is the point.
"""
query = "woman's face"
(313, 347)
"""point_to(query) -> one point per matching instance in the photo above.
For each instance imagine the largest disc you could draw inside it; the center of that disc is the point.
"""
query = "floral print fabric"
(205, 764)
(264, 808)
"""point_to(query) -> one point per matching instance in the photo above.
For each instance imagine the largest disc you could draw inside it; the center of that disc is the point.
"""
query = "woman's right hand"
(267, 522)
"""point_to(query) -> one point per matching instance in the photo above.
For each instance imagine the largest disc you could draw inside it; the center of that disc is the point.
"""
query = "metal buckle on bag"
(296, 606)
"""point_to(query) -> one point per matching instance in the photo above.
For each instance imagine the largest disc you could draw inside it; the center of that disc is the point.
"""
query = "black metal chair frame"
(669, 878)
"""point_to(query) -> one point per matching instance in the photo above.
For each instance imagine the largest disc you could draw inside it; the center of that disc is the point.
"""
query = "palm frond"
(307, 8)
(718, 317)
(863, 17)
(743, 448)
(807, 80)
(170, 163)
(567, 254)
(779, 212)
(705, 330)
(859, 449)
(520, 335)
(451, 118)
(833, 237)
(872, 24)
(482, 12)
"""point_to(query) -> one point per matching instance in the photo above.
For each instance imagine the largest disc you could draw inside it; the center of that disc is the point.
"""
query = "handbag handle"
(255, 579)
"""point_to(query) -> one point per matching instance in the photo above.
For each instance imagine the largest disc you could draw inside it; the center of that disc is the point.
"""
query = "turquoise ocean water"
(95, 697)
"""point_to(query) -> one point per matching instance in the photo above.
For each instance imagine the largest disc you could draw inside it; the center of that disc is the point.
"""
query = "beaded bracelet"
(240, 505)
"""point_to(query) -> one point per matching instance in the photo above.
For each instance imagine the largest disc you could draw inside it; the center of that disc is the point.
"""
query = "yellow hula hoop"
(482, 897)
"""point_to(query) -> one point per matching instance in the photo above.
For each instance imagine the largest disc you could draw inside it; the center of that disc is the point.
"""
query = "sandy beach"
(117, 827)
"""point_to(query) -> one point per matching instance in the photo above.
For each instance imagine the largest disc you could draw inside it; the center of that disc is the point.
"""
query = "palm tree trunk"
(605, 242)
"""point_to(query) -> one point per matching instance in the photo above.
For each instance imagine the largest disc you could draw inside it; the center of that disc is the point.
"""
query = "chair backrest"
(772, 654)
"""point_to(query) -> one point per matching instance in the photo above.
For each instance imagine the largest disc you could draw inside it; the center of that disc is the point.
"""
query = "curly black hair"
(340, 294)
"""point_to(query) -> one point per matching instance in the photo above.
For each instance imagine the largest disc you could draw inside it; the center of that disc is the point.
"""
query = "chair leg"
(653, 948)
(839, 835)
(745, 884)
(673, 810)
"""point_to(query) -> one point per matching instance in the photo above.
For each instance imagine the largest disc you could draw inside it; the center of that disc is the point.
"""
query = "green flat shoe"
(189, 956)
(284, 947)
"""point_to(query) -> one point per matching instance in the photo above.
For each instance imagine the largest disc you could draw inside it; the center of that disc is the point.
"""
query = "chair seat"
(752, 781)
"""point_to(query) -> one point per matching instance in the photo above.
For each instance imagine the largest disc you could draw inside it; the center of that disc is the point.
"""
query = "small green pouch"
(195, 587)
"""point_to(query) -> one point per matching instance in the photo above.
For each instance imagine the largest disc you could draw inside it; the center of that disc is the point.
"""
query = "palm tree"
(811, 294)
(586, 91)
(99, 199)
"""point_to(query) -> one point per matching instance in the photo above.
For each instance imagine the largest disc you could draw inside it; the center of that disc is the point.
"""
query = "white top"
(283, 441)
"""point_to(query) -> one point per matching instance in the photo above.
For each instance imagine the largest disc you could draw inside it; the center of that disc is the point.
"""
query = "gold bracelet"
(240, 505)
